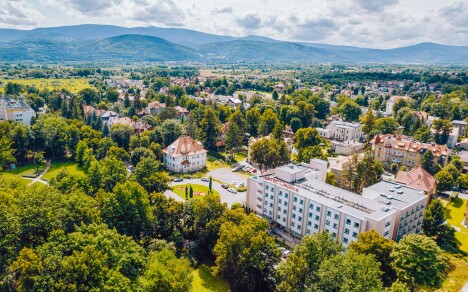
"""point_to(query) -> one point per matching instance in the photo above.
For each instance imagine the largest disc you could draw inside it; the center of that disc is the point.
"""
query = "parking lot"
(226, 196)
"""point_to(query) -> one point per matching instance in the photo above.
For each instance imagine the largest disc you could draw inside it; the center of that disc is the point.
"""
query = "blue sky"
(367, 23)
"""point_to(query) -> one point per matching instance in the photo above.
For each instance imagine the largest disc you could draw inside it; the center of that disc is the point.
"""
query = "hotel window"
(346, 231)
(356, 225)
(345, 240)
(302, 202)
(300, 210)
(284, 219)
(335, 225)
(279, 217)
(328, 213)
(309, 223)
(311, 206)
(386, 233)
(354, 234)
(271, 204)
(284, 211)
(294, 216)
(299, 226)
(300, 218)
(285, 203)
(315, 226)
(279, 201)
(317, 218)
(279, 209)
(292, 224)
(334, 234)
(310, 215)
(318, 209)
(348, 221)
(337, 216)
(286, 195)
(280, 193)
(327, 222)
(294, 208)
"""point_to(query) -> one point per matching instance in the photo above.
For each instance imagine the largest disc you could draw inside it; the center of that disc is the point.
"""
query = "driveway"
(226, 197)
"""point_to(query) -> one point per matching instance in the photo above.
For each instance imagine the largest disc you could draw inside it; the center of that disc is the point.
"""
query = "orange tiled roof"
(184, 146)
(408, 144)
(417, 178)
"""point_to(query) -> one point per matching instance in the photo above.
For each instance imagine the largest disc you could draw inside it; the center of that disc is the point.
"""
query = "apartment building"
(184, 155)
(15, 110)
(403, 150)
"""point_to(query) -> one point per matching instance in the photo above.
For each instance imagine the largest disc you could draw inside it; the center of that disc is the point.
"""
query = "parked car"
(225, 186)
(231, 190)
(241, 185)
(234, 182)
(237, 168)
(205, 179)
(178, 179)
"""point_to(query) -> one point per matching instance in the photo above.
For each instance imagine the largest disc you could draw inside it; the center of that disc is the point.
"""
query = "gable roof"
(185, 145)
(417, 178)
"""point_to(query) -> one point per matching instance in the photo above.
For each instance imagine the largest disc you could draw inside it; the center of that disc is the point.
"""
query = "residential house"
(182, 113)
(155, 107)
(461, 126)
(184, 155)
(342, 131)
(418, 178)
(138, 126)
(464, 158)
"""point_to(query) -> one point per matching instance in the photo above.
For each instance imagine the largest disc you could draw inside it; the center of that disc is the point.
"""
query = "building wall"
(197, 162)
(299, 216)
(402, 157)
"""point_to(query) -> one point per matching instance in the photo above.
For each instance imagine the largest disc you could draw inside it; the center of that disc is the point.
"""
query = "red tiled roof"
(417, 178)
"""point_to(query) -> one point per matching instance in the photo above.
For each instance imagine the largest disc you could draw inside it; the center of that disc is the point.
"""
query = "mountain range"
(106, 43)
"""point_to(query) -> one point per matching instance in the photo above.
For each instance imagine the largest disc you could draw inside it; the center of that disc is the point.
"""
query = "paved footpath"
(39, 178)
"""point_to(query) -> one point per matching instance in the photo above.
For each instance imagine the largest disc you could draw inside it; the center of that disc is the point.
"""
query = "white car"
(231, 190)
(234, 182)
(205, 179)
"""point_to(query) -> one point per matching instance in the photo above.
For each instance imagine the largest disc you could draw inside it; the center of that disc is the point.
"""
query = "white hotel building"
(300, 204)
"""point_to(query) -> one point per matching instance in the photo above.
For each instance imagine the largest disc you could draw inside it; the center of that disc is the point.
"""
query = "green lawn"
(203, 281)
(454, 213)
(71, 166)
(199, 191)
(27, 169)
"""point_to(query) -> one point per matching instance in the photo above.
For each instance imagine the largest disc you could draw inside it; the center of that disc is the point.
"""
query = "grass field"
(454, 213)
(71, 166)
(199, 191)
(204, 281)
(72, 85)
(27, 169)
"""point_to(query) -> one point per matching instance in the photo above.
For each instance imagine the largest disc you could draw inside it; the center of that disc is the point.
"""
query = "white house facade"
(184, 155)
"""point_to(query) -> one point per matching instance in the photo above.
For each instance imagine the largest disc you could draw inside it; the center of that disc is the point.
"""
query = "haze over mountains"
(105, 43)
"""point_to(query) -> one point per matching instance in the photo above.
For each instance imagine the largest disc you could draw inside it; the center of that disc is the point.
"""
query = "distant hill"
(90, 42)
(126, 48)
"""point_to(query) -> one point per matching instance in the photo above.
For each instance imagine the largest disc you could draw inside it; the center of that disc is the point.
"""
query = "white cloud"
(18, 13)
(368, 23)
